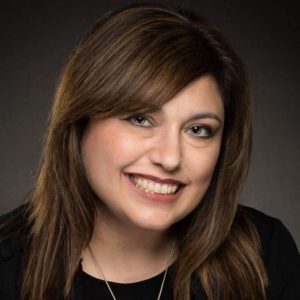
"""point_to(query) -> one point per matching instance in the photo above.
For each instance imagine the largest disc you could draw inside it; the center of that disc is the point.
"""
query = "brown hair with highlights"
(137, 59)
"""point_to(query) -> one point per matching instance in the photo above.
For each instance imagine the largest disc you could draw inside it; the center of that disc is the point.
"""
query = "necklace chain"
(101, 273)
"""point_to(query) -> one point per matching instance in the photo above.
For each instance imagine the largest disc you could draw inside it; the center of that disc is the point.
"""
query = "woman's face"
(151, 170)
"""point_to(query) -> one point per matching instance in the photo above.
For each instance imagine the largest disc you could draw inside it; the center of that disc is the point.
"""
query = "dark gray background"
(37, 37)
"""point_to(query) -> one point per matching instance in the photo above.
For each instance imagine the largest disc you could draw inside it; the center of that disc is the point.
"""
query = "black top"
(280, 256)
(95, 289)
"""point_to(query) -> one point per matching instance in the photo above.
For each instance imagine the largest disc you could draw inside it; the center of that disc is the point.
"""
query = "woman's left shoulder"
(280, 255)
(270, 229)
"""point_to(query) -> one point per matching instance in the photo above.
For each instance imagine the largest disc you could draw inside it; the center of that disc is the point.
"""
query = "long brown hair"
(136, 59)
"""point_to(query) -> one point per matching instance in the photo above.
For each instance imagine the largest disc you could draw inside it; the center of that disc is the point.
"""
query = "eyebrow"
(205, 115)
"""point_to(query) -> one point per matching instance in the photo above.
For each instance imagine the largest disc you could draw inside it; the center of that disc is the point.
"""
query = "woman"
(146, 153)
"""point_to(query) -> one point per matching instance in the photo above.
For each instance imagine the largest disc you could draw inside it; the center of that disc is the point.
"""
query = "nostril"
(166, 159)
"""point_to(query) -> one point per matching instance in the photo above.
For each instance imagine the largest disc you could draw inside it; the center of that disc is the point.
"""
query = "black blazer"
(280, 256)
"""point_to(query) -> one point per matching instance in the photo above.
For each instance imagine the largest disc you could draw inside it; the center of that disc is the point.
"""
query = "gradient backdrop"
(36, 37)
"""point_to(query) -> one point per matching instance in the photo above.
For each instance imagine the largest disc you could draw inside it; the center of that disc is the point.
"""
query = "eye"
(200, 131)
(140, 120)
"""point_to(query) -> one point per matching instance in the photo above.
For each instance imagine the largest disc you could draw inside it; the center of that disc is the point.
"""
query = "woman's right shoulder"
(10, 215)
(12, 244)
(13, 233)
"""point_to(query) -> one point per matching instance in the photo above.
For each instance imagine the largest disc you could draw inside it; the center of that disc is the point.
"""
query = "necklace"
(101, 274)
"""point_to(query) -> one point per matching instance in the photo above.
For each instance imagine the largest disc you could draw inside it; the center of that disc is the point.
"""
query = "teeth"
(164, 189)
(154, 187)
(157, 188)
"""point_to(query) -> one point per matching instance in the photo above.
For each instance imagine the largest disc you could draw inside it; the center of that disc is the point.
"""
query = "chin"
(153, 224)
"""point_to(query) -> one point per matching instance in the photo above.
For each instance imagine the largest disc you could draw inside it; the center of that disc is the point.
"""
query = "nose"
(166, 151)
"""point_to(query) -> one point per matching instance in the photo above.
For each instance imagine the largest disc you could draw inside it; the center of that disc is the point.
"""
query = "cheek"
(119, 148)
(106, 148)
(202, 163)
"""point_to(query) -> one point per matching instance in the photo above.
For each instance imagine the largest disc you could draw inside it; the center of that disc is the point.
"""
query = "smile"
(153, 186)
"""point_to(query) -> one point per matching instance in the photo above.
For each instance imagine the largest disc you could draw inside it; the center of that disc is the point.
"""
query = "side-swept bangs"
(136, 60)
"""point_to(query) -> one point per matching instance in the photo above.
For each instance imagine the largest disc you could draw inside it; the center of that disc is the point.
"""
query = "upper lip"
(159, 180)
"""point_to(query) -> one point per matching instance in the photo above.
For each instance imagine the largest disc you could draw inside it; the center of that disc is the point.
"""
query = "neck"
(126, 253)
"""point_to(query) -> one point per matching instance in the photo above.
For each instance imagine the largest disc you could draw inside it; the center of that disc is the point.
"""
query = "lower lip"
(167, 198)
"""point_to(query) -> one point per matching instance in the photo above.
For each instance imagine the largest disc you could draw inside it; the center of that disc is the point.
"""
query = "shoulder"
(12, 232)
(280, 255)
(11, 257)
(274, 236)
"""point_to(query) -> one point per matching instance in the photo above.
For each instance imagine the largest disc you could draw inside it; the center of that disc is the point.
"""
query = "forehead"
(202, 93)
(200, 96)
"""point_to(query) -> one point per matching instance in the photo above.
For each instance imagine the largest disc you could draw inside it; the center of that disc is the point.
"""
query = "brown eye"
(200, 131)
(140, 120)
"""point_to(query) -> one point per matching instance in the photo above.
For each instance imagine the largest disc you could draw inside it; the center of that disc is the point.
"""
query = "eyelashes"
(140, 120)
(200, 131)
